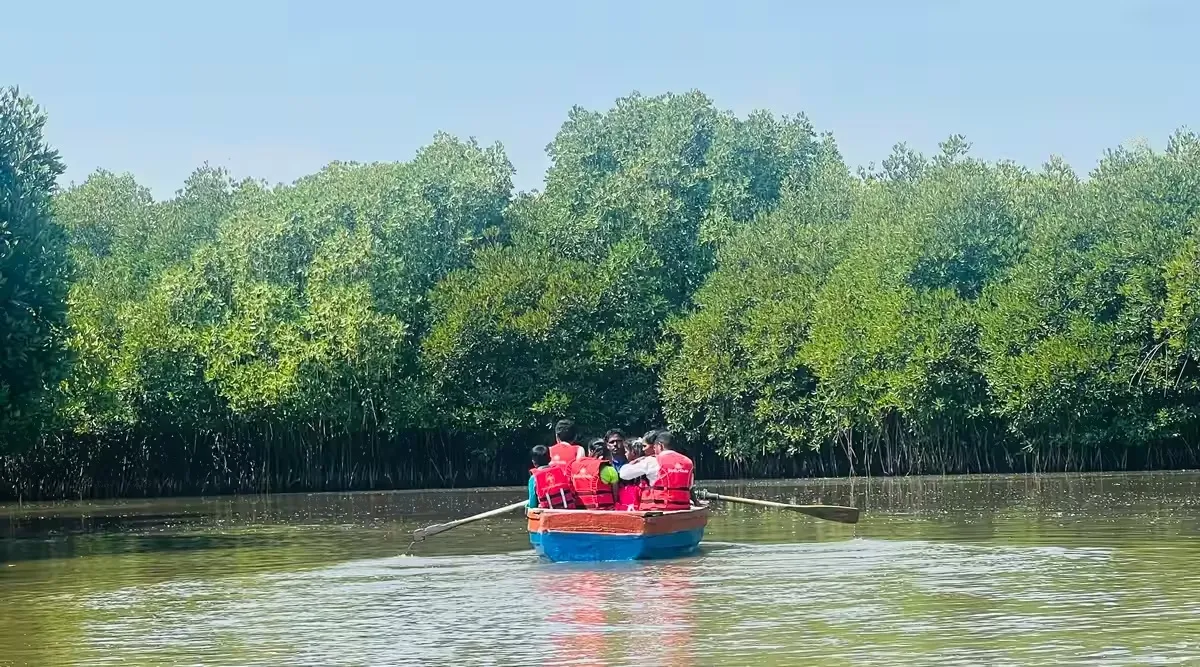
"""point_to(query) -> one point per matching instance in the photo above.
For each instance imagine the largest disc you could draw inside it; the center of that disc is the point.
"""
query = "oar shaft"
(430, 531)
(827, 512)
(752, 501)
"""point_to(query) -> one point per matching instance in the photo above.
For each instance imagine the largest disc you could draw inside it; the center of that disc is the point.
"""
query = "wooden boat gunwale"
(615, 522)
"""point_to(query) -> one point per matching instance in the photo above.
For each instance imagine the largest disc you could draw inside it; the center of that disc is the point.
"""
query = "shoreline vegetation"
(421, 323)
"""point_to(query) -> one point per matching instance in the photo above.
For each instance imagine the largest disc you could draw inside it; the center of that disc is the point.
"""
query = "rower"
(564, 450)
(669, 473)
(550, 483)
(594, 479)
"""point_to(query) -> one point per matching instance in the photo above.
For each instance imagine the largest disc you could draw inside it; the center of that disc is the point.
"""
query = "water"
(1012, 570)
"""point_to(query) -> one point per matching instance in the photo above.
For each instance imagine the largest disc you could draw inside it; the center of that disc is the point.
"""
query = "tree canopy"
(33, 271)
(420, 322)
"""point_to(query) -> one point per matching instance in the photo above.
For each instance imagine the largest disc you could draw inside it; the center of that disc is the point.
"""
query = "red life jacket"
(552, 484)
(592, 493)
(564, 453)
(629, 499)
(672, 490)
(630, 493)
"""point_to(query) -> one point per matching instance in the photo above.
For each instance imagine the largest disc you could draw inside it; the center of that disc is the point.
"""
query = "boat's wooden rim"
(694, 509)
(614, 522)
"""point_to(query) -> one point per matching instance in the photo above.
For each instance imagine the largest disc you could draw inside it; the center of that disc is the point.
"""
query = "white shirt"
(647, 465)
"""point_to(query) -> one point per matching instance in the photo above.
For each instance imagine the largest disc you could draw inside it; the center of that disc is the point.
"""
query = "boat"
(605, 535)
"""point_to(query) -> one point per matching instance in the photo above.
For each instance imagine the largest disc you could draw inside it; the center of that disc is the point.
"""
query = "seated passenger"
(649, 440)
(564, 450)
(594, 479)
(550, 484)
(670, 488)
(668, 475)
(616, 447)
(634, 450)
(630, 490)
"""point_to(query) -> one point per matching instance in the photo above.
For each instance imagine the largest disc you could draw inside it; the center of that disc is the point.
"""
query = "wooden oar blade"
(830, 512)
(429, 531)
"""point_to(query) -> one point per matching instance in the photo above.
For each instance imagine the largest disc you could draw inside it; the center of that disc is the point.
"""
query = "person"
(648, 441)
(616, 447)
(549, 483)
(564, 450)
(630, 490)
(539, 457)
(634, 450)
(668, 473)
(673, 489)
(594, 479)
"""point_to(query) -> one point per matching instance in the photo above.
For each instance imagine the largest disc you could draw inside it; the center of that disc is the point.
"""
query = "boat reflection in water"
(618, 613)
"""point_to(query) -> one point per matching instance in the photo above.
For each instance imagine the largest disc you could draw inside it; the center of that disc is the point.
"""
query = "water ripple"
(1008, 578)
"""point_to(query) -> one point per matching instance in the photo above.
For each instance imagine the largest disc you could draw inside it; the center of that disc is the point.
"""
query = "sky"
(274, 90)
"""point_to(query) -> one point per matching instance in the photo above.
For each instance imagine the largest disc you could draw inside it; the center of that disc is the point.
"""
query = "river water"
(993, 570)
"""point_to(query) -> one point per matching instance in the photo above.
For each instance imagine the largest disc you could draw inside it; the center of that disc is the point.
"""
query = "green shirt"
(608, 474)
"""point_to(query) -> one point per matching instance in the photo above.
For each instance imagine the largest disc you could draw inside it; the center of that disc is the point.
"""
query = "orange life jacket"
(552, 484)
(564, 453)
(672, 490)
(592, 493)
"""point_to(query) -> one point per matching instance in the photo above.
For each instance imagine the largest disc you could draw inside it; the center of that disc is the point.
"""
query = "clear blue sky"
(275, 90)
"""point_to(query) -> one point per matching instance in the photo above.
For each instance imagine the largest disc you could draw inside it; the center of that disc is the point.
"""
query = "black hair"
(597, 446)
(564, 430)
(540, 455)
(663, 438)
(616, 431)
(635, 449)
(650, 437)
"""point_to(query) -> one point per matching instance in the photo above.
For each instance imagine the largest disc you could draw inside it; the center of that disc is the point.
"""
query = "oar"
(827, 512)
(429, 531)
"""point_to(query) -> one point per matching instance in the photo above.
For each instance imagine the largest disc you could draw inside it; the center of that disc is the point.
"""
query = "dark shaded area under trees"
(421, 324)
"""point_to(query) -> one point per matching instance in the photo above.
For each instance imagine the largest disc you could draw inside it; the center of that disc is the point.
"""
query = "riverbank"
(91, 469)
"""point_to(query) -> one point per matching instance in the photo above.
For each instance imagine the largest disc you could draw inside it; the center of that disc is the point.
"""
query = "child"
(549, 484)
(629, 492)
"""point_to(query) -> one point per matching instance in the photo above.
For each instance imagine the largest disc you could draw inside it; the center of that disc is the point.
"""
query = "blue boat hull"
(606, 535)
(581, 547)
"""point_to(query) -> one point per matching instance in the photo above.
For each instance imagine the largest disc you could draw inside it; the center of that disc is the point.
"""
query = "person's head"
(564, 430)
(635, 449)
(650, 442)
(615, 441)
(540, 456)
(598, 448)
(663, 440)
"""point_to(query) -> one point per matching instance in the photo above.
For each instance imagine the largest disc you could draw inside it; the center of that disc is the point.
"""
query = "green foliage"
(735, 376)
(672, 172)
(956, 314)
(135, 361)
(33, 270)
(292, 304)
(1089, 340)
(524, 336)
(419, 323)
(568, 319)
